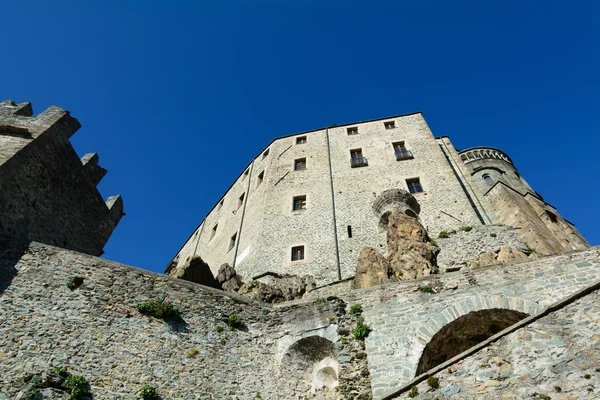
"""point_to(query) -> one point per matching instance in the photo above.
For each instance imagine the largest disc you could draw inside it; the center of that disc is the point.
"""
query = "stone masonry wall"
(556, 357)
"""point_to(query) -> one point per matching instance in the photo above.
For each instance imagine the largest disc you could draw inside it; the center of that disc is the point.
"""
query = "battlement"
(49, 194)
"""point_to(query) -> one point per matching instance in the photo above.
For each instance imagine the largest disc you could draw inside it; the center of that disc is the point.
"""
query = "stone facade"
(48, 194)
(343, 176)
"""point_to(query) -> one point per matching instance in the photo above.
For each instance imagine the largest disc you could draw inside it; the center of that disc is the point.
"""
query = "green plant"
(147, 392)
(192, 353)
(443, 235)
(557, 389)
(542, 396)
(78, 385)
(449, 370)
(62, 371)
(426, 289)
(465, 228)
(529, 248)
(220, 328)
(344, 341)
(75, 282)
(433, 382)
(33, 394)
(255, 283)
(266, 312)
(234, 321)
(399, 274)
(159, 308)
(361, 331)
(432, 242)
(493, 234)
(587, 376)
(258, 396)
(319, 300)
(356, 309)
(414, 392)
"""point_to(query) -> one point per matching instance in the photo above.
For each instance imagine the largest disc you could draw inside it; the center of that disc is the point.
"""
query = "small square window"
(414, 185)
(297, 253)
(300, 164)
(241, 200)
(301, 140)
(232, 241)
(353, 131)
(389, 125)
(261, 177)
(299, 203)
(266, 153)
(214, 231)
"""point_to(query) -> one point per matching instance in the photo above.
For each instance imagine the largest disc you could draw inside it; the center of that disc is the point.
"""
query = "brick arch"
(461, 307)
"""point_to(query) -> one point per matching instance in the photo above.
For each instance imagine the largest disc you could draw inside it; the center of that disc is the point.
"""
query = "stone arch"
(310, 364)
(487, 314)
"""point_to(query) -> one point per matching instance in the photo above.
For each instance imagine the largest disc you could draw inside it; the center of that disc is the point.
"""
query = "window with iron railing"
(401, 152)
(298, 253)
(299, 203)
(357, 159)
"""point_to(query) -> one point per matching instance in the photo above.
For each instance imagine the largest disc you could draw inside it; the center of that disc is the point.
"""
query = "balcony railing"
(403, 154)
(359, 161)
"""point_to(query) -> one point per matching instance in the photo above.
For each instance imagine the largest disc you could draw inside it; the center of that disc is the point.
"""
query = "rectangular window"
(232, 241)
(241, 200)
(414, 185)
(261, 177)
(401, 152)
(389, 125)
(299, 203)
(246, 173)
(301, 140)
(350, 231)
(299, 164)
(214, 231)
(297, 253)
(357, 159)
(353, 131)
(266, 153)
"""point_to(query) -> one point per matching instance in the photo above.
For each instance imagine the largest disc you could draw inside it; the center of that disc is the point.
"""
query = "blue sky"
(177, 97)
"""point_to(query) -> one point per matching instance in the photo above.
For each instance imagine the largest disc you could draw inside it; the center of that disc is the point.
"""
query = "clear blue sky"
(177, 97)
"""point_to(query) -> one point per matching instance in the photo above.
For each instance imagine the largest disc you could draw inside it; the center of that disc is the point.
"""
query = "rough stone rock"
(196, 270)
(228, 278)
(502, 255)
(410, 255)
(280, 288)
(372, 269)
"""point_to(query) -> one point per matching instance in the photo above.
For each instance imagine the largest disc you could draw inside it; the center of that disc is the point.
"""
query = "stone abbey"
(309, 202)
(362, 261)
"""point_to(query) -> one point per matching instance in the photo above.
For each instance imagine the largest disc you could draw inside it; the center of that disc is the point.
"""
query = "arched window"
(488, 179)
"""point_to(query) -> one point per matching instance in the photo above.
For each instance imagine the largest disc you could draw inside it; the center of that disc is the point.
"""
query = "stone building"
(309, 202)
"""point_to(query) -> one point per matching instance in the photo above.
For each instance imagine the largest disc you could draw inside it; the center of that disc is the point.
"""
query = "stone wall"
(556, 357)
(48, 194)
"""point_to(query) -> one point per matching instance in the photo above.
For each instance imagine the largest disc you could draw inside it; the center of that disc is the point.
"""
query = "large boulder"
(278, 288)
(228, 279)
(372, 269)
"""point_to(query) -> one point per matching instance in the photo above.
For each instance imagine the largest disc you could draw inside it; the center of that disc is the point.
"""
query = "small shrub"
(78, 385)
(443, 235)
(258, 396)
(433, 382)
(361, 331)
(33, 394)
(266, 312)
(330, 318)
(159, 308)
(466, 228)
(432, 242)
(493, 234)
(543, 396)
(344, 341)
(62, 371)
(426, 289)
(557, 389)
(234, 321)
(587, 376)
(414, 392)
(356, 309)
(75, 282)
(319, 300)
(219, 328)
(192, 353)
(147, 392)
(449, 370)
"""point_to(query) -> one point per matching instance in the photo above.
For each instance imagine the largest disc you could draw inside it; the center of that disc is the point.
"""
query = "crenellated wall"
(48, 194)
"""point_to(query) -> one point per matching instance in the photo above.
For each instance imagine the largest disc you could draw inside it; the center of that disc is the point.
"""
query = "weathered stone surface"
(279, 288)
(228, 279)
(410, 254)
(196, 270)
(373, 269)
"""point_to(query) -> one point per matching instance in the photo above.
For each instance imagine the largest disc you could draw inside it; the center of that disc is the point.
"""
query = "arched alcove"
(464, 333)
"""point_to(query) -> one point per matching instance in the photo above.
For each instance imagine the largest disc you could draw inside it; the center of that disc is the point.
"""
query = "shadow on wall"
(10, 254)
(464, 333)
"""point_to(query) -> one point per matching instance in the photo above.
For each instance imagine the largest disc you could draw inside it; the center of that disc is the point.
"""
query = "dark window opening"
(299, 203)
(300, 164)
(261, 176)
(349, 231)
(488, 179)
(266, 153)
(357, 159)
(353, 131)
(220, 204)
(414, 185)
(232, 241)
(552, 217)
(214, 231)
(297, 253)
(301, 140)
(389, 125)
(241, 200)
(401, 152)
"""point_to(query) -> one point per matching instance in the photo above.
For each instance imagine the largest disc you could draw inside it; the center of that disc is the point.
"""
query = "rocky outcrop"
(410, 254)
(502, 255)
(196, 270)
(228, 279)
(279, 288)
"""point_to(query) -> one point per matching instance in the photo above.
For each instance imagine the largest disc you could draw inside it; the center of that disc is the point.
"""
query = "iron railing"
(359, 161)
(403, 154)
